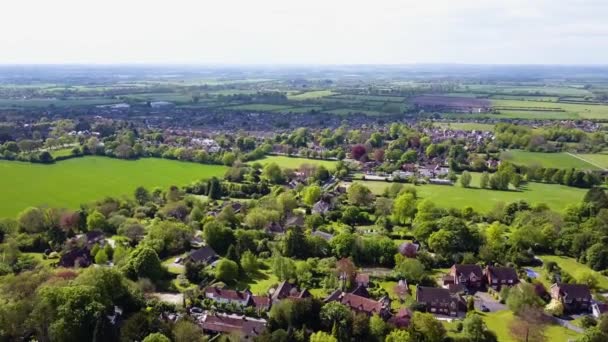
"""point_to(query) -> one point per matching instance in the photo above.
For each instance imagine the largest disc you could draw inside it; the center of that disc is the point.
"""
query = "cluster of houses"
(434, 173)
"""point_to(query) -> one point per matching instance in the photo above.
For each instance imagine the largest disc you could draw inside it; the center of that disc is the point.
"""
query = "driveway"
(484, 298)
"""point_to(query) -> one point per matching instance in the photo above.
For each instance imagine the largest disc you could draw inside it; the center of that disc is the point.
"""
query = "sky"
(304, 32)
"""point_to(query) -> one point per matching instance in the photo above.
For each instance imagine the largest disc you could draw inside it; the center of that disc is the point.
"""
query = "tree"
(597, 257)
(214, 189)
(143, 262)
(321, 336)
(284, 268)
(378, 327)
(294, 243)
(186, 331)
(529, 325)
(475, 329)
(398, 336)
(311, 194)
(32, 220)
(249, 262)
(286, 203)
(343, 244)
(404, 208)
(597, 197)
(523, 297)
(484, 182)
(410, 269)
(226, 270)
(96, 221)
(593, 335)
(360, 195)
(339, 318)
(465, 179)
(358, 152)
(218, 237)
(555, 308)
(156, 337)
(141, 195)
(273, 173)
(425, 327)
(101, 258)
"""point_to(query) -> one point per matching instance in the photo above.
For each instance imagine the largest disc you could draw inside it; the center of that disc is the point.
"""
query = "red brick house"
(575, 297)
(468, 275)
(246, 328)
(496, 277)
(439, 301)
(361, 304)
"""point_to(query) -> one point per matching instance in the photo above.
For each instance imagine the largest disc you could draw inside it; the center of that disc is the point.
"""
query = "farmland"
(484, 200)
(72, 182)
(536, 109)
(294, 163)
(467, 126)
(561, 160)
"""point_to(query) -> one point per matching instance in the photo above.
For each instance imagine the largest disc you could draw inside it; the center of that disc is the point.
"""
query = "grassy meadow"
(72, 182)
(467, 126)
(560, 160)
(294, 162)
(484, 200)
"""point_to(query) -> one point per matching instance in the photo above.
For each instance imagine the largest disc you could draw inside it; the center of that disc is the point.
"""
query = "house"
(496, 277)
(409, 249)
(288, 290)
(275, 228)
(361, 304)
(320, 207)
(294, 221)
(575, 297)
(239, 298)
(325, 236)
(361, 291)
(468, 275)
(205, 254)
(77, 257)
(599, 309)
(246, 327)
(362, 279)
(94, 237)
(438, 300)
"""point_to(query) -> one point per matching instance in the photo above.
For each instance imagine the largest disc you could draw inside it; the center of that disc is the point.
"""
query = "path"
(566, 324)
(586, 161)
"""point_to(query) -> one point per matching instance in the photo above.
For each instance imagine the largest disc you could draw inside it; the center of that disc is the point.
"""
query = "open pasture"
(559, 160)
(72, 182)
(294, 162)
(556, 196)
(550, 110)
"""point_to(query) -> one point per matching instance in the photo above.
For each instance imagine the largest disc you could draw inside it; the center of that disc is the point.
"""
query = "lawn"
(72, 182)
(575, 269)
(294, 162)
(556, 196)
(260, 107)
(559, 160)
(63, 152)
(583, 111)
(499, 321)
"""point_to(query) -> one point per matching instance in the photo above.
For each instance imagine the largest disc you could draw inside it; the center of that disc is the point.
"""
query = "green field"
(294, 163)
(260, 107)
(513, 108)
(560, 160)
(62, 152)
(482, 200)
(74, 181)
(310, 95)
(466, 126)
(598, 159)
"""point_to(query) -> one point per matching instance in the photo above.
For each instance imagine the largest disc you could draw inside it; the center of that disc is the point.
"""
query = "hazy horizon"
(314, 33)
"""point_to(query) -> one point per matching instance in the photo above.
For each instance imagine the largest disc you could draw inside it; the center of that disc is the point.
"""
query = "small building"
(275, 228)
(401, 319)
(496, 277)
(204, 254)
(439, 301)
(325, 236)
(576, 298)
(321, 207)
(239, 298)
